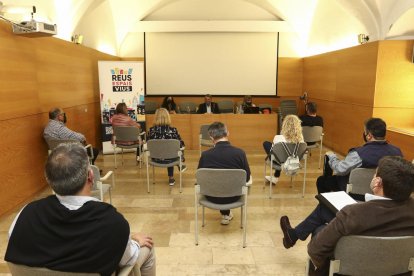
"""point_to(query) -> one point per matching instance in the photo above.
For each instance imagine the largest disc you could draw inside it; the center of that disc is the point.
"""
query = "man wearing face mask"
(56, 129)
(366, 156)
(388, 212)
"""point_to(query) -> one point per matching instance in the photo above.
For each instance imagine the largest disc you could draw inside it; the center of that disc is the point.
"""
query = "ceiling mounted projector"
(30, 28)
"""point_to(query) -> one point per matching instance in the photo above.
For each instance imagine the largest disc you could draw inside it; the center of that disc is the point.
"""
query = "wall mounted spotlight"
(77, 39)
(362, 38)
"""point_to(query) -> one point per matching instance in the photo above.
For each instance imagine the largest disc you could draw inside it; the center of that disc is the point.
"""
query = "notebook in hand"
(335, 201)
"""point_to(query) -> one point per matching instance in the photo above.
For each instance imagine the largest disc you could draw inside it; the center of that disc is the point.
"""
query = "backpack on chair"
(292, 163)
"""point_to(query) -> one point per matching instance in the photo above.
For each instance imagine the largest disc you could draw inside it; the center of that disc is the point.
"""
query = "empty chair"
(187, 107)
(150, 107)
(127, 137)
(53, 143)
(364, 255)
(23, 270)
(161, 149)
(286, 107)
(205, 140)
(221, 183)
(360, 180)
(313, 135)
(278, 156)
(226, 106)
(99, 187)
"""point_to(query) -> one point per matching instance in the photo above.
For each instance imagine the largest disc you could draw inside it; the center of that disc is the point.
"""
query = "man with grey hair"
(56, 129)
(223, 156)
(72, 231)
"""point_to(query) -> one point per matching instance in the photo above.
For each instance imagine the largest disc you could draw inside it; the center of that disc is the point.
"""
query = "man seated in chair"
(389, 212)
(223, 156)
(56, 129)
(208, 106)
(72, 231)
(366, 156)
(310, 118)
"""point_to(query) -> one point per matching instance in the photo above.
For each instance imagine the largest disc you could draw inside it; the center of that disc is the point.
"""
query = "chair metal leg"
(181, 178)
(115, 157)
(304, 175)
(148, 189)
(203, 218)
(271, 174)
(320, 154)
(244, 221)
(153, 174)
(241, 217)
(110, 196)
(264, 177)
(196, 218)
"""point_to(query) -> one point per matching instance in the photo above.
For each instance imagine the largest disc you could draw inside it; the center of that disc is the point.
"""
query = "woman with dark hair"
(162, 129)
(169, 104)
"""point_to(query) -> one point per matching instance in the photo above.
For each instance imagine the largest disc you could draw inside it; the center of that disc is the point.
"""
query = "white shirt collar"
(369, 197)
(74, 202)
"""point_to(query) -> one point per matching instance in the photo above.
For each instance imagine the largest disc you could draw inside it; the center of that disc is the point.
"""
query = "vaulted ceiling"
(306, 27)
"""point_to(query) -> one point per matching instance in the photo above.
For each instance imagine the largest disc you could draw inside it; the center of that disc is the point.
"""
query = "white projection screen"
(215, 63)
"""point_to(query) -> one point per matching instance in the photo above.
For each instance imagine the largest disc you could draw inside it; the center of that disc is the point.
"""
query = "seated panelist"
(208, 106)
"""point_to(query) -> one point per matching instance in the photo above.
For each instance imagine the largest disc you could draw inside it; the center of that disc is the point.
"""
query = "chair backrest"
(221, 182)
(261, 106)
(163, 148)
(364, 255)
(204, 132)
(288, 107)
(96, 176)
(22, 270)
(126, 133)
(53, 143)
(226, 106)
(312, 133)
(187, 107)
(280, 153)
(360, 178)
(151, 107)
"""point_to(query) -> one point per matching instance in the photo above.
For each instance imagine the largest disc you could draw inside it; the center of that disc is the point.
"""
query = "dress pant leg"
(95, 154)
(267, 146)
(170, 171)
(319, 217)
(145, 265)
(326, 184)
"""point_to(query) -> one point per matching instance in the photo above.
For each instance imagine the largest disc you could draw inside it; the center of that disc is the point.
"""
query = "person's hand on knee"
(142, 240)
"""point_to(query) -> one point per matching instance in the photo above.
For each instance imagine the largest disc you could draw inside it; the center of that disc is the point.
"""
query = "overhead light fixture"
(30, 28)
(363, 38)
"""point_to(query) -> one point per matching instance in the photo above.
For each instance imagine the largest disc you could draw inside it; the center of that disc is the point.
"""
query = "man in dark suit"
(223, 156)
(208, 106)
(388, 212)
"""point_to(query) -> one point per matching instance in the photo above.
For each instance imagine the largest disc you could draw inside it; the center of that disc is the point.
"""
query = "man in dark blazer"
(208, 106)
(223, 156)
(388, 212)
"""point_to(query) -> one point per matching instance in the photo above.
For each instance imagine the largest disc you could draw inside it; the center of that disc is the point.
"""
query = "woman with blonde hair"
(162, 129)
(291, 132)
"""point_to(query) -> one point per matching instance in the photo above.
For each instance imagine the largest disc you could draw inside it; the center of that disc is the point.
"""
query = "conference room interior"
(348, 84)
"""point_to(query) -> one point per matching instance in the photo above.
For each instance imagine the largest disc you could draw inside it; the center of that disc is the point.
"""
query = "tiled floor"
(168, 217)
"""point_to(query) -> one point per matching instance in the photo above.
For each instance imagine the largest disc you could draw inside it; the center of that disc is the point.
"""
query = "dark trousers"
(223, 200)
(268, 147)
(314, 222)
(326, 184)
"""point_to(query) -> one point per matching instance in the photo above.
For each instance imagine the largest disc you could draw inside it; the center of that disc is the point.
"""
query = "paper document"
(335, 200)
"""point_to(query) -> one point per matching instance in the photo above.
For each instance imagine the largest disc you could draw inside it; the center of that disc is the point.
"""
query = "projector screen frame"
(212, 92)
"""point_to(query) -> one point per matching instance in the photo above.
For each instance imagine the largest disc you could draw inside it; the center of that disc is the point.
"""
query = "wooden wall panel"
(290, 75)
(356, 73)
(36, 75)
(404, 141)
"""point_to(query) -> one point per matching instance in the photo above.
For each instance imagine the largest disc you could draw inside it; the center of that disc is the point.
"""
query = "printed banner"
(120, 81)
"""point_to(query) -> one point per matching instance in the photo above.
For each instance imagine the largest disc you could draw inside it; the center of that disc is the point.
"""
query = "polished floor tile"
(169, 217)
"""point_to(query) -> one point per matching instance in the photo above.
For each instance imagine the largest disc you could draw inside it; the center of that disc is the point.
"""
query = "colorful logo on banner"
(121, 80)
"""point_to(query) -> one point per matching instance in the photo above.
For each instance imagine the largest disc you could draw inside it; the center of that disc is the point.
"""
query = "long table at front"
(246, 131)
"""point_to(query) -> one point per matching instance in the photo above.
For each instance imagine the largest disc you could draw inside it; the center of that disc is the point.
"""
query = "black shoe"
(171, 181)
(288, 242)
